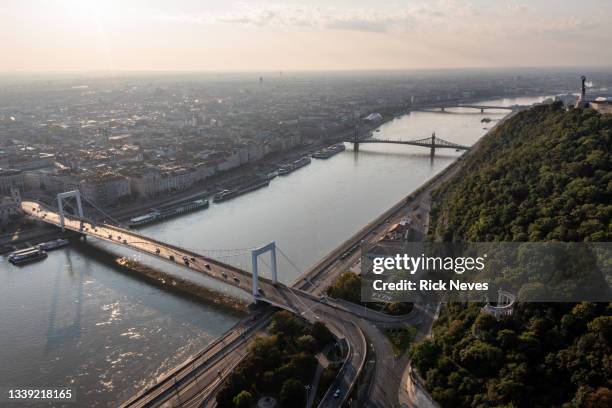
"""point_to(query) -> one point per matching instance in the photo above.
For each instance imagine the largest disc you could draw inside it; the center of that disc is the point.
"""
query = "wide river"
(76, 320)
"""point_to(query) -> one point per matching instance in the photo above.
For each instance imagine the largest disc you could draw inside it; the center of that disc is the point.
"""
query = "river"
(75, 320)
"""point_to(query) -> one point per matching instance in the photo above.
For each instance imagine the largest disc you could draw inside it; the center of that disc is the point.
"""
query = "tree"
(243, 400)
(347, 287)
(305, 365)
(424, 355)
(399, 308)
(306, 343)
(285, 323)
(321, 334)
(292, 393)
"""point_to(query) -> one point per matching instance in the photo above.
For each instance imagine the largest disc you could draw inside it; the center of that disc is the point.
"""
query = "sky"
(226, 35)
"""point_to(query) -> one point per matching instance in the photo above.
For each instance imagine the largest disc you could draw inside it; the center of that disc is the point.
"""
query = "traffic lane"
(203, 264)
(190, 369)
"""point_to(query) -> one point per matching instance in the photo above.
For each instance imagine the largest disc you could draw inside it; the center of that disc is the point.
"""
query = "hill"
(542, 175)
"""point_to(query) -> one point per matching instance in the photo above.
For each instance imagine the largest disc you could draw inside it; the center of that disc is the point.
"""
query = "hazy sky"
(224, 35)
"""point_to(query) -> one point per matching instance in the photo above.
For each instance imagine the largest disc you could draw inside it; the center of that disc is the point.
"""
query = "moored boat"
(27, 255)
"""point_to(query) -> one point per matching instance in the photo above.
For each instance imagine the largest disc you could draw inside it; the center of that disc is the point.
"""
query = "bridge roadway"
(184, 386)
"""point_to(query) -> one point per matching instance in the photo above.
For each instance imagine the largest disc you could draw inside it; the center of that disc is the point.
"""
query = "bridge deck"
(128, 238)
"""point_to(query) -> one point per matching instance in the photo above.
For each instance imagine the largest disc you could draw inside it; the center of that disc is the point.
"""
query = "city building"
(11, 178)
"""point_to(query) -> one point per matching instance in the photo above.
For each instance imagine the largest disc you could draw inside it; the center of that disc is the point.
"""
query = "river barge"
(330, 151)
(28, 255)
(225, 195)
(162, 213)
(291, 167)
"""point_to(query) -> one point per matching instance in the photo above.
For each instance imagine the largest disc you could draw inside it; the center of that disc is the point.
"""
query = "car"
(110, 236)
(337, 393)
(125, 241)
(207, 266)
(261, 291)
(185, 258)
(157, 251)
(171, 257)
(236, 279)
(119, 238)
(193, 259)
(224, 275)
(186, 262)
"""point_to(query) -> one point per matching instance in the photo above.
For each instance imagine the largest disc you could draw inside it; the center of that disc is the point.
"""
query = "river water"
(76, 320)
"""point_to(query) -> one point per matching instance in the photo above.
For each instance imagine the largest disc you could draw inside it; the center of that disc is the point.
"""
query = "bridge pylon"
(60, 205)
(356, 139)
(433, 144)
(271, 247)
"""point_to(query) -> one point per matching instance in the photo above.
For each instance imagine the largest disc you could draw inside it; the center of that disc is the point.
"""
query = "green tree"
(321, 334)
(285, 323)
(243, 400)
(292, 393)
(306, 343)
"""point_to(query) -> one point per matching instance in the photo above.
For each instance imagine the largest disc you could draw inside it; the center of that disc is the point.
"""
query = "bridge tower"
(271, 247)
(356, 139)
(60, 205)
(433, 144)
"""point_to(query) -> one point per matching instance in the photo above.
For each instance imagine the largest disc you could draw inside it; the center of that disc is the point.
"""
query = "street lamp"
(307, 387)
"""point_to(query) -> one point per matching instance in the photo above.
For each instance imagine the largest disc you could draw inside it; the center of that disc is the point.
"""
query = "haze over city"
(213, 35)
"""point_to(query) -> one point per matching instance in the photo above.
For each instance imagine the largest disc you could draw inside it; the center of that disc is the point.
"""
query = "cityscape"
(190, 236)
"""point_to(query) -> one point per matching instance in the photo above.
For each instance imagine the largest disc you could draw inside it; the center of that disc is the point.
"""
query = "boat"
(51, 245)
(229, 194)
(284, 170)
(330, 151)
(158, 214)
(144, 219)
(27, 255)
(291, 167)
(304, 161)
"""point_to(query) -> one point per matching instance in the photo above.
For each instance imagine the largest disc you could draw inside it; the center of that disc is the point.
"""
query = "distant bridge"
(482, 108)
(432, 143)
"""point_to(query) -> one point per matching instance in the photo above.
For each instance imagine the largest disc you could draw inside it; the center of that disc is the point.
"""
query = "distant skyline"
(217, 35)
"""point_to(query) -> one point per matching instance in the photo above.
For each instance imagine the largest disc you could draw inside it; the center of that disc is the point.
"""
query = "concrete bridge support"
(271, 247)
(60, 205)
